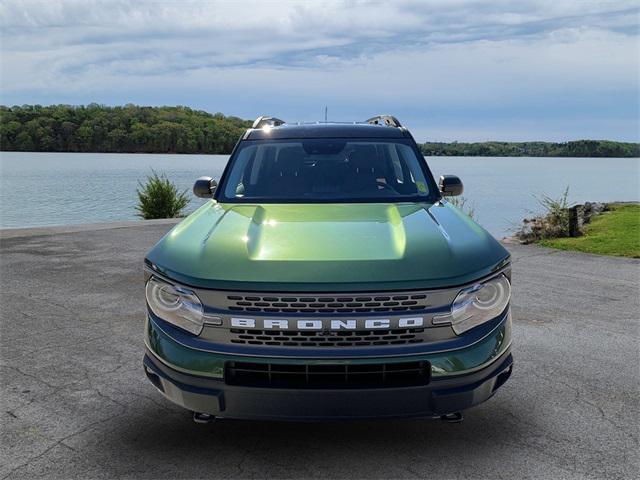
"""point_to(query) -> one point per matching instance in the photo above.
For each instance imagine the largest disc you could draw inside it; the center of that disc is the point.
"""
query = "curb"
(7, 233)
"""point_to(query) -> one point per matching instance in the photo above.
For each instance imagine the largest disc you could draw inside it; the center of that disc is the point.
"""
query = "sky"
(449, 70)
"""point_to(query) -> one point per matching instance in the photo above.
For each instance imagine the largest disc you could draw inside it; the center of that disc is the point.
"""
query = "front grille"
(328, 304)
(377, 375)
(300, 338)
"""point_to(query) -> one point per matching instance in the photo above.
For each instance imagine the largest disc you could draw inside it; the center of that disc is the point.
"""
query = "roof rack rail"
(267, 120)
(388, 120)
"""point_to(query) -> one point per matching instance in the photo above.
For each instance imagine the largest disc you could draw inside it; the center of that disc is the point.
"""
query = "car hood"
(327, 247)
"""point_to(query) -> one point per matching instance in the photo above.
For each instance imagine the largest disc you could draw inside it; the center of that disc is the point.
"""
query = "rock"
(546, 226)
(589, 209)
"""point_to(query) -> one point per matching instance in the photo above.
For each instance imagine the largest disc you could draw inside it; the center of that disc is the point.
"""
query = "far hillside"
(138, 129)
(127, 129)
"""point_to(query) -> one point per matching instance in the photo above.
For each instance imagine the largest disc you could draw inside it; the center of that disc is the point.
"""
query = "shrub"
(461, 203)
(160, 198)
(552, 223)
(556, 216)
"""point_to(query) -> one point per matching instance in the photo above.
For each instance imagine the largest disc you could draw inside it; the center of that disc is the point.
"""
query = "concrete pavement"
(76, 404)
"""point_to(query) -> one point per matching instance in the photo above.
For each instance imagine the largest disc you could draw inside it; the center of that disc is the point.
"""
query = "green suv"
(327, 278)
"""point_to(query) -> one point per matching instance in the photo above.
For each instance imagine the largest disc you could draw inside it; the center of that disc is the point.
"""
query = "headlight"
(478, 304)
(176, 305)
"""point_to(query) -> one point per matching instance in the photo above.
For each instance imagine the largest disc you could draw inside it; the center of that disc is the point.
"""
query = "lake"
(38, 189)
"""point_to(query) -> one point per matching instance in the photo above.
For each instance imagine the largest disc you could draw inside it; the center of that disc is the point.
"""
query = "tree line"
(136, 129)
(578, 148)
(127, 129)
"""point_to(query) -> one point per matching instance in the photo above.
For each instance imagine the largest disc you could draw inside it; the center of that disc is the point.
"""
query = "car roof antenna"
(325, 114)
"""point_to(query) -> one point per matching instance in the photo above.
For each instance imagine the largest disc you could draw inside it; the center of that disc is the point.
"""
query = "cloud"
(462, 63)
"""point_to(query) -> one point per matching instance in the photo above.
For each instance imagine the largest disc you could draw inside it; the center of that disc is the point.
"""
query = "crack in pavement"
(61, 442)
(56, 347)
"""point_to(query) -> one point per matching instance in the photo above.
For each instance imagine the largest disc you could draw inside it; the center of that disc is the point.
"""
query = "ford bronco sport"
(327, 278)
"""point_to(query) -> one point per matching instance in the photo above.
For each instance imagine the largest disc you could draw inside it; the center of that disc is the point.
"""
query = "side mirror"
(204, 187)
(450, 185)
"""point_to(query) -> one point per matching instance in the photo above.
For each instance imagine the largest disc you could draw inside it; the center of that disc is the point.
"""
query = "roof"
(325, 130)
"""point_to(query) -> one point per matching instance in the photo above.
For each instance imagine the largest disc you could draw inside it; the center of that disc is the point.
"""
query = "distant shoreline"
(572, 149)
(227, 154)
(181, 130)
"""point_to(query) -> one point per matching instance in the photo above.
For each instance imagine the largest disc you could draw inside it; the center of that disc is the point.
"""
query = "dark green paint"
(209, 364)
(327, 247)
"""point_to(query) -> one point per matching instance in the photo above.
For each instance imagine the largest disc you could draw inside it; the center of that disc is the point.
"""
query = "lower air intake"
(376, 375)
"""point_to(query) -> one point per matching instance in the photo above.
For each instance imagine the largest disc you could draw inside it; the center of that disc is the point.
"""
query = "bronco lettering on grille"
(364, 324)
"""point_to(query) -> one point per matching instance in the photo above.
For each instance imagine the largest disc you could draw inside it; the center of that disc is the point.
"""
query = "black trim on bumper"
(439, 397)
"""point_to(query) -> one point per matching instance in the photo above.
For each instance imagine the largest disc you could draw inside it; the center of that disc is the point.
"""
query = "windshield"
(326, 170)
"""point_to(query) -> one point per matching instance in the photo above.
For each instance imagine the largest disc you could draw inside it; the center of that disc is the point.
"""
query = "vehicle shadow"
(172, 445)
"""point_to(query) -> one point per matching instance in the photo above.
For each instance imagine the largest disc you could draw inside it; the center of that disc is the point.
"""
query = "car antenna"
(325, 114)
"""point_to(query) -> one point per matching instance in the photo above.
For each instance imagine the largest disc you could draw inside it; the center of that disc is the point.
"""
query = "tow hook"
(455, 417)
(200, 417)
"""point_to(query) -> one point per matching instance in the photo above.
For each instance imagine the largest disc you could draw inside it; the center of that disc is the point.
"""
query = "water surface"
(38, 189)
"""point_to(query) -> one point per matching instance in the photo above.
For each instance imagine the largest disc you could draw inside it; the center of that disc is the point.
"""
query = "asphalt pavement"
(76, 404)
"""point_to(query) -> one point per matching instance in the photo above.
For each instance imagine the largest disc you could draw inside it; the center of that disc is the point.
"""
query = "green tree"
(131, 128)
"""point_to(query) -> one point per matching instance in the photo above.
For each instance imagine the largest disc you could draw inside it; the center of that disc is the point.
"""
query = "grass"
(616, 232)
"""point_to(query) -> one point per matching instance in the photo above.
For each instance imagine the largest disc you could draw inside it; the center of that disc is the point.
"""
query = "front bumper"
(442, 396)
(460, 379)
